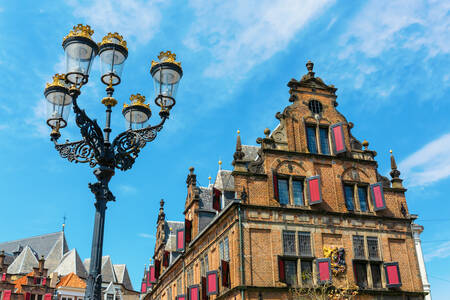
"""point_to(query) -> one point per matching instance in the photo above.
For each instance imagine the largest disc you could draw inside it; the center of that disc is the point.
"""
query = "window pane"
(289, 242)
(297, 191)
(202, 267)
(376, 275)
(221, 250)
(358, 246)
(206, 264)
(283, 191)
(361, 274)
(324, 144)
(372, 245)
(226, 250)
(362, 194)
(348, 192)
(306, 269)
(304, 243)
(291, 271)
(311, 138)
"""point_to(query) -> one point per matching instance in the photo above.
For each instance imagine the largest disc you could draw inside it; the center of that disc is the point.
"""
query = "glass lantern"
(80, 52)
(58, 102)
(137, 113)
(113, 52)
(166, 75)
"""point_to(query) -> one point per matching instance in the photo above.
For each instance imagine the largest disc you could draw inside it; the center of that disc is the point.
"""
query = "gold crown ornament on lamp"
(137, 112)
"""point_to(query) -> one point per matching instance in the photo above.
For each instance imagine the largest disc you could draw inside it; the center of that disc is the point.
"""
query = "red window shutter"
(324, 268)
(281, 272)
(34, 280)
(337, 134)
(181, 297)
(180, 239)
(377, 194)
(3, 276)
(194, 292)
(152, 274)
(44, 280)
(157, 268)
(27, 296)
(7, 295)
(392, 272)
(143, 287)
(48, 296)
(314, 190)
(212, 283)
(166, 258)
(217, 195)
(188, 230)
(225, 270)
(275, 186)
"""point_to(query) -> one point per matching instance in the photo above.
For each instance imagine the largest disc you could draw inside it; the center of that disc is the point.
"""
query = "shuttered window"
(392, 275)
(324, 142)
(349, 197)
(180, 240)
(314, 190)
(376, 275)
(377, 196)
(362, 195)
(297, 192)
(283, 191)
(360, 270)
(306, 272)
(290, 267)
(289, 243)
(311, 138)
(324, 270)
(337, 133)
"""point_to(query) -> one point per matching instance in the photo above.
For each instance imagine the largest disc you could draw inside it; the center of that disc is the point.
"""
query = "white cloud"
(429, 164)
(383, 25)
(127, 189)
(442, 251)
(241, 34)
(136, 20)
(146, 235)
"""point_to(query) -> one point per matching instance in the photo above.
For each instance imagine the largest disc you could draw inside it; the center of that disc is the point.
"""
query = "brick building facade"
(305, 208)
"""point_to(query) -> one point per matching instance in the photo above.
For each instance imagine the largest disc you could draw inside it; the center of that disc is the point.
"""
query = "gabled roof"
(71, 280)
(25, 262)
(71, 263)
(122, 276)
(224, 181)
(22, 281)
(107, 269)
(42, 244)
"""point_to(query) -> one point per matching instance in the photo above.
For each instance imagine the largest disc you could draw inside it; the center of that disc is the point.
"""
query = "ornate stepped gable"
(333, 198)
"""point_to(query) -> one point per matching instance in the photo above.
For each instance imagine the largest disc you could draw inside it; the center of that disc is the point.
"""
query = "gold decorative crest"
(109, 101)
(80, 30)
(111, 37)
(58, 80)
(167, 56)
(137, 99)
(337, 258)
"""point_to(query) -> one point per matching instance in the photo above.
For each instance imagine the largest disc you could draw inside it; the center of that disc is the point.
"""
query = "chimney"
(41, 264)
(2, 258)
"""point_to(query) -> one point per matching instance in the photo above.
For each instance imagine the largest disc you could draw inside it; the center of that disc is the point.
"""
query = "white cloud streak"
(242, 34)
(383, 25)
(146, 236)
(441, 252)
(429, 164)
(136, 20)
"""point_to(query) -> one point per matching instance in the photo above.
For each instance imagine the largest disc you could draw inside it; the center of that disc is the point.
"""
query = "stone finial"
(161, 215)
(209, 180)
(220, 165)
(395, 174)
(191, 178)
(238, 155)
(161, 203)
(267, 132)
(310, 66)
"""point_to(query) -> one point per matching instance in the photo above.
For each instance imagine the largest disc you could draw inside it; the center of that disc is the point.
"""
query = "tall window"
(375, 269)
(290, 267)
(361, 274)
(224, 249)
(349, 199)
(356, 193)
(290, 190)
(324, 141)
(311, 138)
(289, 243)
(190, 277)
(304, 244)
(358, 246)
(179, 286)
(372, 246)
(283, 190)
(361, 263)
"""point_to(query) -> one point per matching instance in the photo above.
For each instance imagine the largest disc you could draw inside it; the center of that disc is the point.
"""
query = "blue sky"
(388, 59)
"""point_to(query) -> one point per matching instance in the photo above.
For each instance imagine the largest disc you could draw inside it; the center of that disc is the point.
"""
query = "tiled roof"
(25, 262)
(205, 194)
(71, 280)
(42, 244)
(22, 281)
(122, 276)
(71, 263)
(224, 181)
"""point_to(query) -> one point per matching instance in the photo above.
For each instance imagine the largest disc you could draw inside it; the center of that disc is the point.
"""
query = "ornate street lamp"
(95, 147)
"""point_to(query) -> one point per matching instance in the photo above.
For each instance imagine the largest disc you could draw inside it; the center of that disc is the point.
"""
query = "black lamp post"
(95, 147)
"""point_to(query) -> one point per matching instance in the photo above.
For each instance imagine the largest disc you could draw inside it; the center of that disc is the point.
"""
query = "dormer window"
(356, 193)
(315, 107)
